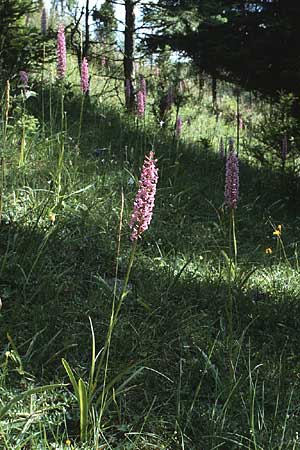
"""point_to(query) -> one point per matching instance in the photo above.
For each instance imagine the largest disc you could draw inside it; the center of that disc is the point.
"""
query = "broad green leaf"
(71, 377)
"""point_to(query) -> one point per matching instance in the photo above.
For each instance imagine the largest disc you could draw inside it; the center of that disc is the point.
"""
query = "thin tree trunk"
(129, 51)
(238, 117)
(87, 30)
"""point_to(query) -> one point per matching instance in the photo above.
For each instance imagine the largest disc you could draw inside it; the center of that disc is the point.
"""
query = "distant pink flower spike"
(103, 61)
(232, 180)
(24, 78)
(44, 21)
(140, 104)
(61, 53)
(144, 201)
(143, 88)
(84, 84)
(179, 124)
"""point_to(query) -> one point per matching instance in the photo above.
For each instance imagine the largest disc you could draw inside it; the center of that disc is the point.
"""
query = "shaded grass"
(55, 274)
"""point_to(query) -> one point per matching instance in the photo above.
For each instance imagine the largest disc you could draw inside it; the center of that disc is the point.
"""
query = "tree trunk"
(86, 46)
(238, 123)
(129, 51)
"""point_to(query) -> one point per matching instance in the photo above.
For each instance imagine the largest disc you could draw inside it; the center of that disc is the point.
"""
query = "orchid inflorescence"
(144, 201)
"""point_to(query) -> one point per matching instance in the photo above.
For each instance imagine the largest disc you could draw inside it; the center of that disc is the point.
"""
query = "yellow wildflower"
(268, 251)
(278, 230)
(68, 442)
(52, 218)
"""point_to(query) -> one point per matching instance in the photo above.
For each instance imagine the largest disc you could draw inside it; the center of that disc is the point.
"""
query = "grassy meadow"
(169, 373)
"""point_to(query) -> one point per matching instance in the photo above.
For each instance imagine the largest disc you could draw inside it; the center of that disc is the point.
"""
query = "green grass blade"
(84, 410)
(93, 361)
(71, 377)
(117, 379)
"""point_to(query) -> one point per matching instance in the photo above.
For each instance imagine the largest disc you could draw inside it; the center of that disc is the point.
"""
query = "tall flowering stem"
(61, 52)
(140, 104)
(4, 142)
(84, 82)
(84, 85)
(140, 221)
(231, 196)
(61, 72)
(43, 32)
(141, 216)
(232, 180)
(231, 199)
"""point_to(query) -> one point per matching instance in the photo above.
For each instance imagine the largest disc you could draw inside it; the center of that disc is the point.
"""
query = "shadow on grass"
(172, 321)
(189, 223)
(175, 312)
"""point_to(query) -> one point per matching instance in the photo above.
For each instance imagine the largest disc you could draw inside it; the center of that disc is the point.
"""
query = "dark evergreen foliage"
(21, 43)
(254, 43)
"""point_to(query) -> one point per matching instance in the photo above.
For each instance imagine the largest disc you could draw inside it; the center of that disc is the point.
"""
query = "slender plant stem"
(234, 239)
(113, 321)
(43, 93)
(50, 109)
(124, 290)
(232, 252)
(119, 243)
(2, 186)
(5, 124)
(22, 146)
(6, 111)
(62, 147)
(80, 119)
